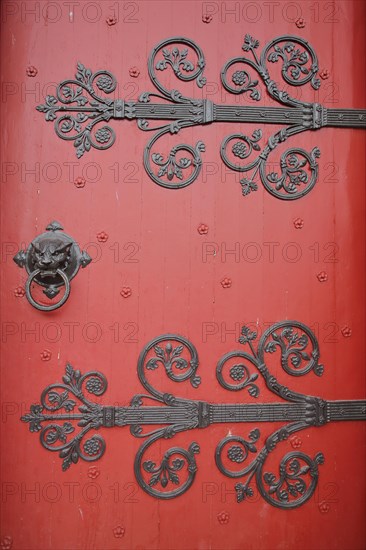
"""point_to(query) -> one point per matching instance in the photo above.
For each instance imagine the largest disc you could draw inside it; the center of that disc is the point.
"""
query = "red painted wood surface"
(154, 248)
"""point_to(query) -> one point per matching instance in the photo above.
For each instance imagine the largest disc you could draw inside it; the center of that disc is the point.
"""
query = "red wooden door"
(197, 262)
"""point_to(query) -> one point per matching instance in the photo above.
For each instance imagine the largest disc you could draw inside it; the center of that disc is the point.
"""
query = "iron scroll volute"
(51, 260)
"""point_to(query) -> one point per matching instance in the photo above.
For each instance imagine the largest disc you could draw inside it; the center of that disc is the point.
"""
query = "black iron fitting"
(67, 413)
(204, 414)
(79, 109)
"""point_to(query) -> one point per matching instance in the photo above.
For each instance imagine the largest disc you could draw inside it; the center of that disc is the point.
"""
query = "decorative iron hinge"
(63, 406)
(76, 115)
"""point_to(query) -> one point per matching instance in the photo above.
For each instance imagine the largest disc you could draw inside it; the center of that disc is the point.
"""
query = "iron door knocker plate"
(51, 260)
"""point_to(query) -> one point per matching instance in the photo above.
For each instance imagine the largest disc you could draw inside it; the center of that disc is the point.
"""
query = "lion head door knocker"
(51, 260)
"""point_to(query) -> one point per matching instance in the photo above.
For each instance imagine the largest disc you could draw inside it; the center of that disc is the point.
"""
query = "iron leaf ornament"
(69, 414)
(81, 112)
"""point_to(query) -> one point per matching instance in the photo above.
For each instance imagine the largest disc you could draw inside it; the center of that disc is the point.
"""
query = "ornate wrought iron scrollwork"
(54, 398)
(299, 348)
(299, 66)
(52, 260)
(299, 168)
(79, 109)
(76, 114)
(294, 344)
(293, 339)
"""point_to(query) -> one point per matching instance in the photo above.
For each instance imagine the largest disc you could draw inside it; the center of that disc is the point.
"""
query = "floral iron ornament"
(79, 113)
(51, 261)
(65, 406)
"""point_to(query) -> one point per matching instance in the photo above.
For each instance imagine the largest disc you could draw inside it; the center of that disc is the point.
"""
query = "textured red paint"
(80, 182)
(324, 74)
(322, 277)
(176, 280)
(300, 23)
(46, 355)
(126, 292)
(298, 223)
(226, 282)
(134, 72)
(19, 292)
(346, 332)
(102, 237)
(202, 229)
(31, 71)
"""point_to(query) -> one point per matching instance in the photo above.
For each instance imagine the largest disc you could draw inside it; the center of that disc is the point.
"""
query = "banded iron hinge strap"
(64, 406)
(76, 115)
